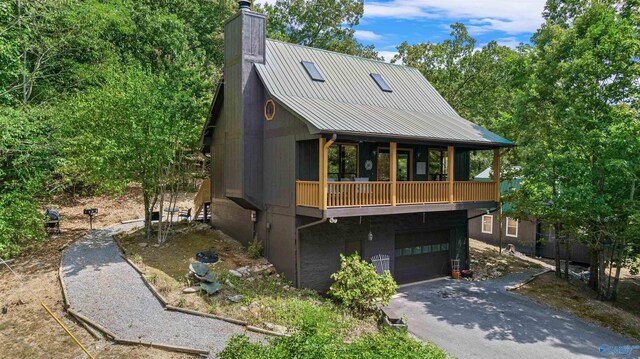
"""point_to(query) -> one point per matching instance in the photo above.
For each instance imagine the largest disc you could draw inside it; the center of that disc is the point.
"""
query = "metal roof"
(350, 101)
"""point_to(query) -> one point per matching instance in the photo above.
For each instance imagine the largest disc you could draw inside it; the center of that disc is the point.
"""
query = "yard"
(261, 297)
(575, 297)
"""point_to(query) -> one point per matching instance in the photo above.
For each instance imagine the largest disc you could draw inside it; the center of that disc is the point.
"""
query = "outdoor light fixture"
(333, 220)
(370, 236)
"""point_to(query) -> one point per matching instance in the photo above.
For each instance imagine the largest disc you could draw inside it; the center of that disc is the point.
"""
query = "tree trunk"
(556, 228)
(161, 208)
(567, 254)
(147, 213)
(602, 271)
(619, 264)
(593, 269)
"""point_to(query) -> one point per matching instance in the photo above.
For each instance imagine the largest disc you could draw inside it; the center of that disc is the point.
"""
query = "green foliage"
(255, 248)
(318, 23)
(581, 87)
(358, 286)
(310, 343)
(21, 223)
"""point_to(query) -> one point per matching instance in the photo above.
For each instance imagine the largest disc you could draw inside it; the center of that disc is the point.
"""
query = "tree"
(318, 23)
(580, 128)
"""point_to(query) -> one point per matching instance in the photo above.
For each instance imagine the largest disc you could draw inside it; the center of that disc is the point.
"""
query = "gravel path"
(106, 289)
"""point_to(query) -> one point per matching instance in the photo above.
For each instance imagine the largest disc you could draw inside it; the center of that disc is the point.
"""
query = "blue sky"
(387, 23)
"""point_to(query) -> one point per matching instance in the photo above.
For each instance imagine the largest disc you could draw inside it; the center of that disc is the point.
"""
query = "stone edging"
(92, 326)
(534, 276)
(170, 307)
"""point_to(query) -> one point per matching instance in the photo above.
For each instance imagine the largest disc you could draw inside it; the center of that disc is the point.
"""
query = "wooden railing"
(358, 194)
(473, 191)
(422, 192)
(203, 196)
(308, 193)
(353, 194)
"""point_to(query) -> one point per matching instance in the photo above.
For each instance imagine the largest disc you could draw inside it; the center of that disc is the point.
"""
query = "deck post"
(324, 145)
(322, 195)
(496, 173)
(393, 164)
(450, 174)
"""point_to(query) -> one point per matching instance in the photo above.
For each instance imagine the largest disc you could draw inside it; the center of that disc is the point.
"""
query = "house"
(316, 153)
(531, 237)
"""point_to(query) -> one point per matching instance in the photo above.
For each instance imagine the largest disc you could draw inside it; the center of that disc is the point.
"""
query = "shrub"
(312, 344)
(21, 224)
(357, 285)
(255, 248)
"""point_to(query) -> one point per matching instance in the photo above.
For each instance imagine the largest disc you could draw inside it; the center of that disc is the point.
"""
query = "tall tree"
(580, 127)
(325, 24)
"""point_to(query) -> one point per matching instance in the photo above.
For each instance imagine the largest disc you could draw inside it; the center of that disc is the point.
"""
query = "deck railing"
(378, 193)
(473, 191)
(308, 193)
(203, 196)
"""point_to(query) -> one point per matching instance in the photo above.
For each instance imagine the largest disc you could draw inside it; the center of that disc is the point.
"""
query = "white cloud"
(510, 42)
(365, 35)
(388, 55)
(510, 16)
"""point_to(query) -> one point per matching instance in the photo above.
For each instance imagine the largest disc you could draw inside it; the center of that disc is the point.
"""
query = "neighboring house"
(317, 154)
(531, 237)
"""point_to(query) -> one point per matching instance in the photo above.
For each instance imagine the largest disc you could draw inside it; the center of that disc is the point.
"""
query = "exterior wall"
(244, 38)
(525, 242)
(530, 240)
(321, 245)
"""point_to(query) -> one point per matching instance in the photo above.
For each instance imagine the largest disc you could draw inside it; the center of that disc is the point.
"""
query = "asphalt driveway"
(483, 320)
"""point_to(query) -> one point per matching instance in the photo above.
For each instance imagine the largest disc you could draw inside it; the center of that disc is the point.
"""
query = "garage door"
(421, 256)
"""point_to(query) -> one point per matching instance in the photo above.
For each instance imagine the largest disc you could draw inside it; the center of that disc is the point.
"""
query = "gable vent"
(313, 71)
(384, 86)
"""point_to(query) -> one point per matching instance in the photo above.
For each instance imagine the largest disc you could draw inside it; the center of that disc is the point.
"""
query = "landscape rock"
(156, 245)
(190, 290)
(143, 244)
(235, 273)
(236, 298)
(199, 269)
(281, 329)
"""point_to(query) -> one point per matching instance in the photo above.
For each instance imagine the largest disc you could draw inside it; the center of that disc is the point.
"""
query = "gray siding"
(321, 245)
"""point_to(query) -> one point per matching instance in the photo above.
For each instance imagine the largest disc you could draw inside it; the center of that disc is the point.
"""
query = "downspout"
(315, 223)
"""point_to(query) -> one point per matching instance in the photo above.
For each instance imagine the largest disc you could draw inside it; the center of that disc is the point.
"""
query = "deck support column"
(393, 164)
(324, 170)
(450, 174)
(496, 173)
(322, 192)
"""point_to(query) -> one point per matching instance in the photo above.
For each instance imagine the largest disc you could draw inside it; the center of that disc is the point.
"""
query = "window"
(438, 166)
(487, 224)
(313, 71)
(404, 158)
(381, 82)
(512, 227)
(343, 162)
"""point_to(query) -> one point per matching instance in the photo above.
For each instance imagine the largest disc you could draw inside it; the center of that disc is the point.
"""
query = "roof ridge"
(343, 54)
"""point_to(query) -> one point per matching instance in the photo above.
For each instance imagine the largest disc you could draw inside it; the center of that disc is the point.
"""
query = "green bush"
(255, 248)
(310, 343)
(21, 224)
(357, 285)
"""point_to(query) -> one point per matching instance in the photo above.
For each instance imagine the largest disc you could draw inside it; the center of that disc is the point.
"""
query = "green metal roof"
(350, 101)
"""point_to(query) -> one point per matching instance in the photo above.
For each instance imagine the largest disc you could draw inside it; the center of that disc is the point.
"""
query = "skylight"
(313, 71)
(381, 82)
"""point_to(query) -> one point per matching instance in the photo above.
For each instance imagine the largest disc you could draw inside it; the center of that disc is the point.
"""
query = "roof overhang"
(212, 116)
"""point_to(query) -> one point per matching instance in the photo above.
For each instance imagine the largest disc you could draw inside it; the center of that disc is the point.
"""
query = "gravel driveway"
(483, 320)
(107, 290)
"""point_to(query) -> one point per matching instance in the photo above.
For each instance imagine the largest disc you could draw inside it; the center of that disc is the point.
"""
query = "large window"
(438, 158)
(487, 223)
(343, 162)
(403, 169)
(512, 227)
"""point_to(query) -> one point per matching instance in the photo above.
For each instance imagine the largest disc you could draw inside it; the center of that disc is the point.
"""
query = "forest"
(98, 94)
